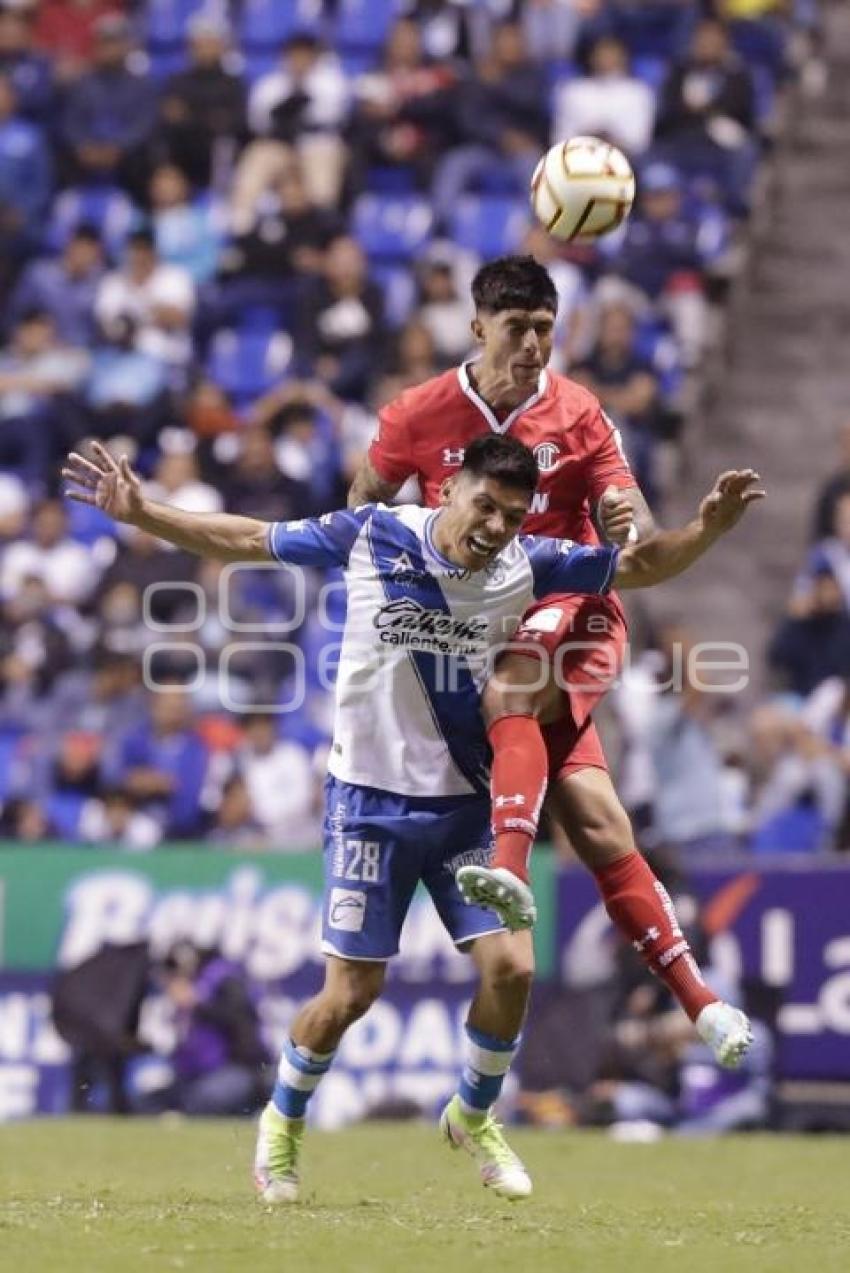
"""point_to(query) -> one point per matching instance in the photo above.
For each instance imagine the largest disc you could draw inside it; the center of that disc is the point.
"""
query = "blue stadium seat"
(247, 363)
(652, 70)
(489, 224)
(391, 179)
(356, 60)
(165, 62)
(658, 30)
(258, 62)
(761, 43)
(399, 288)
(391, 228)
(64, 810)
(166, 20)
(10, 750)
(266, 24)
(106, 207)
(364, 23)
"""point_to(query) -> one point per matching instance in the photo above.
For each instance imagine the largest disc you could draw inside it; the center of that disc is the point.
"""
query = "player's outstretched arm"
(112, 486)
(669, 552)
(368, 487)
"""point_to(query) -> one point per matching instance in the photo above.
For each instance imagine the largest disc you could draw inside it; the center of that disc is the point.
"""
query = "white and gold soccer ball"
(582, 188)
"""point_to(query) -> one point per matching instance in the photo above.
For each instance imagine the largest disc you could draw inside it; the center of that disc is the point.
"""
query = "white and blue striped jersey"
(420, 637)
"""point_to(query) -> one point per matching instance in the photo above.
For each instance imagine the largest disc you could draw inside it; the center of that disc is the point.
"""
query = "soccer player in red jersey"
(566, 654)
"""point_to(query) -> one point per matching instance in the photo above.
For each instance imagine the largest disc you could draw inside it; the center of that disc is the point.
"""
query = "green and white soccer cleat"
(501, 891)
(727, 1031)
(276, 1160)
(484, 1140)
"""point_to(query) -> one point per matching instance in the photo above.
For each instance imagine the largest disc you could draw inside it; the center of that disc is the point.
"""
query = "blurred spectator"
(141, 564)
(812, 642)
(663, 256)
(403, 109)
(26, 170)
(627, 388)
(607, 102)
(65, 29)
(177, 480)
(285, 235)
(833, 489)
(827, 713)
(799, 785)
(68, 569)
(833, 553)
(112, 819)
(219, 1056)
(283, 783)
(413, 359)
(501, 121)
(110, 112)
(158, 299)
(203, 108)
(341, 335)
(34, 650)
(706, 114)
(235, 825)
(126, 391)
(304, 103)
(163, 764)
(208, 410)
(35, 371)
(65, 287)
(188, 233)
(29, 72)
(445, 306)
(254, 486)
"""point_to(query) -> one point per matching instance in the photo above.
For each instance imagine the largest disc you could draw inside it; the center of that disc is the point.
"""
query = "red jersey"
(424, 431)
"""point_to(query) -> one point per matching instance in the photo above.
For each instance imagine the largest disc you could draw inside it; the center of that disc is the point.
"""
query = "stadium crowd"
(228, 234)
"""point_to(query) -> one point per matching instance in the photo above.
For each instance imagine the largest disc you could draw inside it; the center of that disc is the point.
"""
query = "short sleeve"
(391, 452)
(559, 565)
(318, 541)
(607, 463)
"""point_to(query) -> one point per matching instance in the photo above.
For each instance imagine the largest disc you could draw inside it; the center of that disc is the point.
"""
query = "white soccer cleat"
(501, 891)
(727, 1031)
(276, 1160)
(484, 1140)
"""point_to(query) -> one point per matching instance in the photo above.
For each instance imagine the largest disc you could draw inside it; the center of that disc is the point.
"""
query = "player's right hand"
(730, 498)
(104, 483)
(616, 516)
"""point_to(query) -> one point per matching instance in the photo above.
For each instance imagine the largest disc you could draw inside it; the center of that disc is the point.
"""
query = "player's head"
(486, 501)
(515, 307)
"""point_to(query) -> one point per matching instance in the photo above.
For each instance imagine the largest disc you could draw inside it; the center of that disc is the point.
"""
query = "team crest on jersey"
(547, 456)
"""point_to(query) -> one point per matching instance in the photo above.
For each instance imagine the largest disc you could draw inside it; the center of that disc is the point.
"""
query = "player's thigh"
(371, 871)
(463, 837)
(585, 803)
(504, 958)
(522, 684)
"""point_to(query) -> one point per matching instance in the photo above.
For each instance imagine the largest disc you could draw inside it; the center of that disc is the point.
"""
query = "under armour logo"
(651, 935)
(453, 457)
(501, 801)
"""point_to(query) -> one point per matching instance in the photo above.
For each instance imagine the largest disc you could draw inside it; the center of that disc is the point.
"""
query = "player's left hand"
(726, 504)
(616, 516)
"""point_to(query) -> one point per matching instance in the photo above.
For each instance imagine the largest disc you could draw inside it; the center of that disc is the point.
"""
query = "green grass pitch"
(107, 1196)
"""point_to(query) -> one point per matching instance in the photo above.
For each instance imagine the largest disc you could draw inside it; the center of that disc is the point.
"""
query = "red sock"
(640, 906)
(518, 784)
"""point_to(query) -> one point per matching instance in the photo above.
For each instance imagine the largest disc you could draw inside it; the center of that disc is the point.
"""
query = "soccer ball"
(582, 188)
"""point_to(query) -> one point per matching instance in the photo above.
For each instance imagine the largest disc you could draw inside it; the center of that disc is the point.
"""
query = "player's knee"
(512, 972)
(353, 997)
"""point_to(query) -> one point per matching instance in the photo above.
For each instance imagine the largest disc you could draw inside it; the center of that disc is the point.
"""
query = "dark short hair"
(143, 237)
(514, 282)
(504, 459)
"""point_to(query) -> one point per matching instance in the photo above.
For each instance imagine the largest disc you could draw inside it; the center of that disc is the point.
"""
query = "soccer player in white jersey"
(432, 595)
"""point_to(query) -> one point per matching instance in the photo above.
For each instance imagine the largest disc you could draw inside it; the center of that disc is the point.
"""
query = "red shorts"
(583, 638)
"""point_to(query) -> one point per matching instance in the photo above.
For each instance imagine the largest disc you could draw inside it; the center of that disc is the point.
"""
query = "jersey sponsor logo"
(453, 457)
(539, 502)
(406, 622)
(346, 910)
(547, 620)
(547, 456)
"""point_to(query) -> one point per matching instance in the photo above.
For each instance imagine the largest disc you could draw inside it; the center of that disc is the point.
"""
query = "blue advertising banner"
(786, 924)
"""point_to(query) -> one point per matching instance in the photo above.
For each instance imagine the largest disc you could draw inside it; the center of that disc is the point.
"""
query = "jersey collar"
(499, 426)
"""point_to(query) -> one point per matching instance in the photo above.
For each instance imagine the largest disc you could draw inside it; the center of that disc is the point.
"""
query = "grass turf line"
(109, 1196)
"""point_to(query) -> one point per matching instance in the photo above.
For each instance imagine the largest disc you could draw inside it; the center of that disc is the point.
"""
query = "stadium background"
(229, 233)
